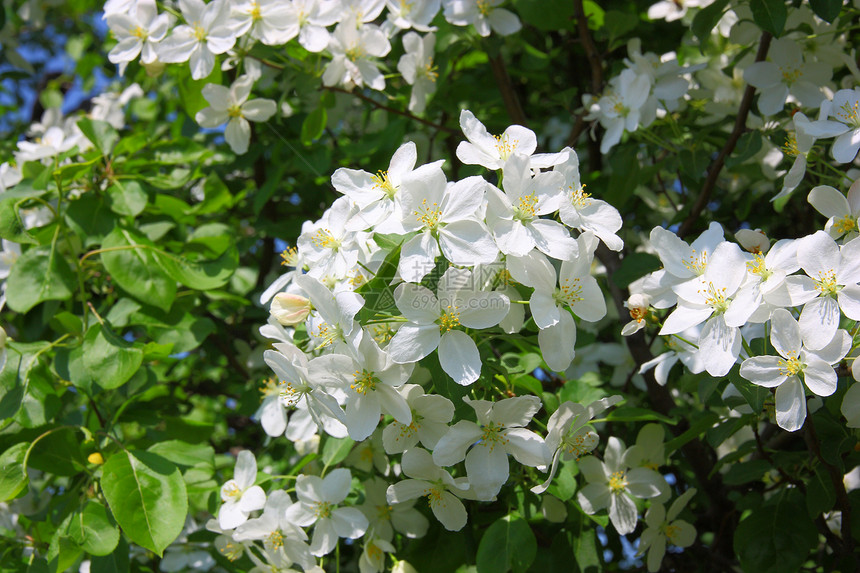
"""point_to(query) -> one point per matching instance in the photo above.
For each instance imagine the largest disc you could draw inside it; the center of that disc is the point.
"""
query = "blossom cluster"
(794, 294)
(405, 267)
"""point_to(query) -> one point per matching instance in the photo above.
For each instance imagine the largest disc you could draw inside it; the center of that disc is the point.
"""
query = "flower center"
(493, 435)
(232, 491)
(791, 366)
(364, 382)
(790, 147)
(234, 110)
(618, 482)
(503, 145)
(696, 263)
(327, 334)
(275, 540)
(850, 114)
(384, 511)
(232, 550)
(638, 313)
(578, 197)
(271, 387)
(428, 214)
(757, 267)
(790, 75)
(845, 224)
(199, 32)
(355, 53)
(290, 394)
(255, 11)
(383, 182)
(324, 239)
(429, 71)
(715, 298)
(524, 210)
(434, 495)
(580, 442)
(290, 257)
(449, 319)
(405, 7)
(826, 283)
(670, 531)
(322, 509)
(139, 33)
(568, 292)
(484, 7)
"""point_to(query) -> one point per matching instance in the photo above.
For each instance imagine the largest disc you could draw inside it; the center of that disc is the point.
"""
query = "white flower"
(431, 415)
(231, 106)
(621, 106)
(328, 246)
(681, 262)
(283, 540)
(500, 432)
(842, 212)
(845, 110)
(787, 74)
(352, 49)
(484, 14)
(137, 31)
(428, 479)
(515, 215)
(372, 558)
(492, 151)
(206, 34)
(436, 321)
(638, 304)
(445, 217)
(833, 273)
(332, 323)
(580, 210)
(313, 17)
(671, 10)
(412, 13)
(611, 484)
(273, 22)
(798, 145)
(851, 401)
(663, 528)
(416, 66)
(790, 341)
(52, 143)
(385, 517)
(240, 495)
(318, 504)
(679, 349)
(569, 435)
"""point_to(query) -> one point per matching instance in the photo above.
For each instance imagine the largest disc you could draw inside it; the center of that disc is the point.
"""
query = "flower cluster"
(792, 294)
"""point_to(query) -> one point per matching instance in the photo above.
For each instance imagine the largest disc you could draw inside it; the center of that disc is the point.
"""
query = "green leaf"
(625, 173)
(746, 472)
(820, 493)
(127, 197)
(700, 426)
(134, 267)
(313, 125)
(101, 133)
(13, 476)
(335, 450)
(191, 90)
(826, 9)
(706, 20)
(547, 14)
(90, 218)
(694, 162)
(754, 394)
(94, 530)
(378, 293)
(508, 544)
(38, 275)
(777, 537)
(748, 145)
(58, 453)
(109, 359)
(146, 494)
(11, 224)
(201, 275)
(634, 266)
(769, 15)
(185, 454)
(630, 414)
(116, 562)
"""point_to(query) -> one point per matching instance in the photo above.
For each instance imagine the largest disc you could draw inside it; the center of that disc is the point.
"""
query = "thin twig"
(717, 164)
(389, 109)
(506, 88)
(590, 47)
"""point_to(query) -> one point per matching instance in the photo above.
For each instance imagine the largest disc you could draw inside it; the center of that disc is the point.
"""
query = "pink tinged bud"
(290, 309)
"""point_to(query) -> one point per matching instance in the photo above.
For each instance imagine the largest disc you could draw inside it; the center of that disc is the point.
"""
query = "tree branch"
(509, 96)
(717, 164)
(390, 109)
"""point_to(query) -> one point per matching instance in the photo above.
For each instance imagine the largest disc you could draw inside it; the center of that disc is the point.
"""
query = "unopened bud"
(403, 567)
(290, 309)
(96, 459)
(753, 241)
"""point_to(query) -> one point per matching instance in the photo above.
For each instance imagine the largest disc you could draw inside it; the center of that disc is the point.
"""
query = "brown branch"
(506, 88)
(590, 47)
(717, 164)
(390, 109)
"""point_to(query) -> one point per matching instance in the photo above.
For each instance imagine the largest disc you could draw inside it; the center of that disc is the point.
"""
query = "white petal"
(459, 357)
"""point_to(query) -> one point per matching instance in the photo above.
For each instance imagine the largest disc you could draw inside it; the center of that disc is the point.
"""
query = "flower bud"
(403, 567)
(96, 459)
(290, 309)
(753, 241)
